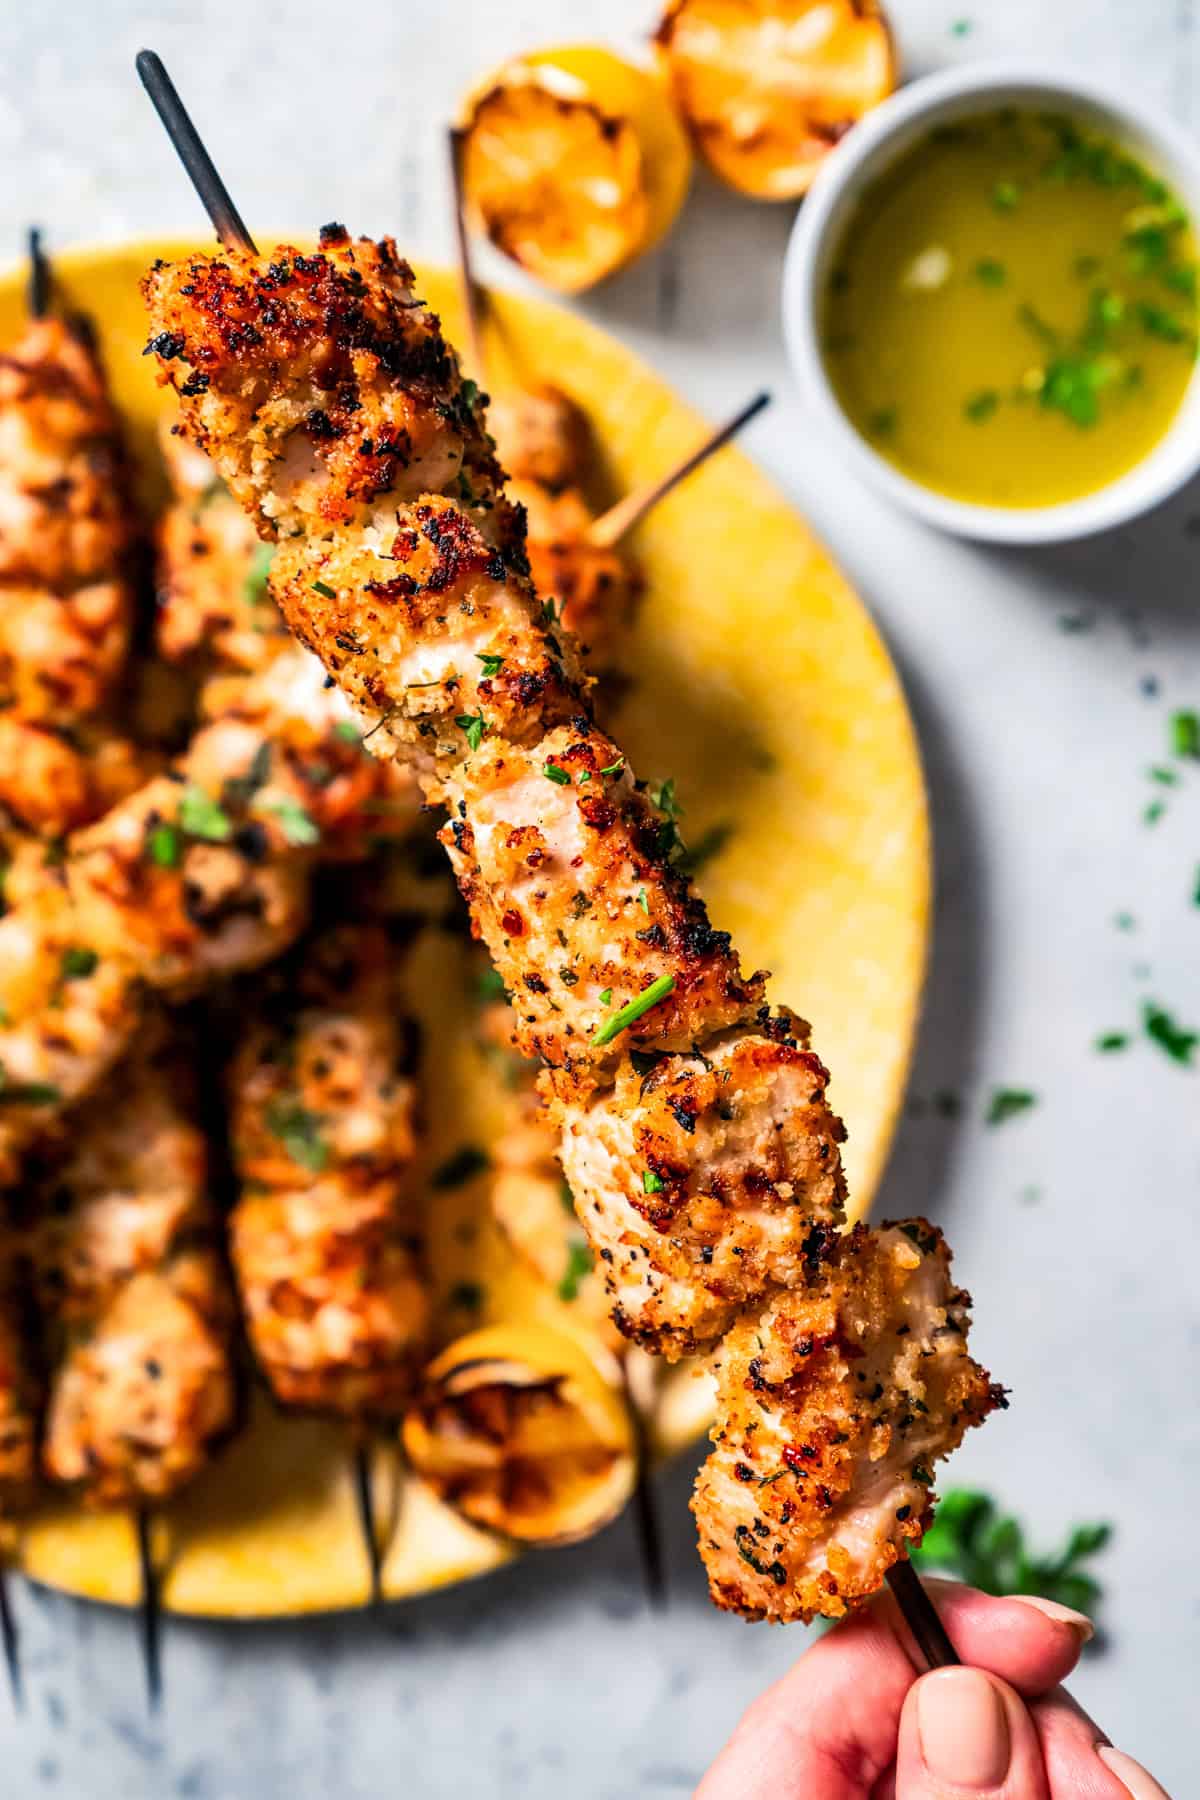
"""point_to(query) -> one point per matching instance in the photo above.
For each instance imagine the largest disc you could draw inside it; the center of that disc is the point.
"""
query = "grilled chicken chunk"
(325, 1238)
(833, 1406)
(129, 1274)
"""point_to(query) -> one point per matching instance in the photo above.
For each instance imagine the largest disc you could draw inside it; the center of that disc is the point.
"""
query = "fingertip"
(1025, 1641)
(964, 1731)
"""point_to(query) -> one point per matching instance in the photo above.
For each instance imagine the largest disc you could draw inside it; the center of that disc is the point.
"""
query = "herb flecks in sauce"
(1064, 316)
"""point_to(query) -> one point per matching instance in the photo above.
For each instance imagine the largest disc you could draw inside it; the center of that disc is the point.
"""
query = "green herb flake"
(1125, 921)
(614, 768)
(1175, 1040)
(492, 665)
(164, 845)
(606, 997)
(1164, 777)
(256, 574)
(971, 1539)
(490, 985)
(299, 1131)
(981, 406)
(1113, 1040)
(77, 963)
(298, 826)
(990, 272)
(201, 817)
(325, 591)
(1007, 1103)
(1185, 734)
(961, 28)
(348, 732)
(1005, 195)
(630, 1014)
(579, 1264)
(460, 1167)
(643, 902)
(1157, 322)
(652, 1183)
(1154, 812)
(473, 727)
(557, 774)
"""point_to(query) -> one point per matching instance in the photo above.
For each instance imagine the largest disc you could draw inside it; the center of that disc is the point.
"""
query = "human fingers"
(827, 1730)
(1079, 1759)
(965, 1733)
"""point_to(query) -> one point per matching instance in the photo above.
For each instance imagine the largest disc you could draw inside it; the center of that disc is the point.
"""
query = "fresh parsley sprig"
(972, 1539)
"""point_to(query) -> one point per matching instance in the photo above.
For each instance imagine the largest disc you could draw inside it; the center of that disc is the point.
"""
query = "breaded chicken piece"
(833, 1406)
(541, 436)
(700, 1176)
(128, 1271)
(325, 1238)
(56, 779)
(213, 603)
(594, 588)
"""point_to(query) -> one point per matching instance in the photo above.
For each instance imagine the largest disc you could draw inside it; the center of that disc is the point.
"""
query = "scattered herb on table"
(972, 1539)
(1185, 734)
(1007, 1103)
(1174, 1039)
(1113, 1040)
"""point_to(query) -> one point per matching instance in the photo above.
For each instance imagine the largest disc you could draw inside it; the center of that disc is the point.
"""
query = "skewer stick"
(151, 1611)
(366, 1519)
(645, 1511)
(470, 291)
(920, 1615)
(226, 220)
(12, 1644)
(905, 1583)
(39, 277)
(608, 530)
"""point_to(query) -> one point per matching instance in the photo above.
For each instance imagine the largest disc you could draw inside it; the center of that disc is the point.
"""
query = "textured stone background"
(1075, 1227)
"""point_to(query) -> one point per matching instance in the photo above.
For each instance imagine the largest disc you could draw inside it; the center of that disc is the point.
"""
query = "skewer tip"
(366, 1520)
(39, 275)
(151, 1612)
(202, 171)
(12, 1645)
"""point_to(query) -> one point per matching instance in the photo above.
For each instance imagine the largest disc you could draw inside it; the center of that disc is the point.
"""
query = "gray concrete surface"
(1075, 1226)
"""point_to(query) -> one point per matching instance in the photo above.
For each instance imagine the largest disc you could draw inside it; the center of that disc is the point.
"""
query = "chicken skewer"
(124, 1246)
(391, 558)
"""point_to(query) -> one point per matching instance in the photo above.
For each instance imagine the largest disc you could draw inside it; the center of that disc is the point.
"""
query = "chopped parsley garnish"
(579, 1264)
(630, 1014)
(1175, 1039)
(77, 962)
(256, 574)
(298, 826)
(1154, 812)
(981, 406)
(666, 800)
(557, 774)
(1005, 195)
(960, 28)
(1196, 888)
(1164, 777)
(462, 1166)
(614, 768)
(299, 1131)
(492, 665)
(325, 591)
(1157, 322)
(473, 727)
(490, 985)
(201, 817)
(643, 902)
(27, 1093)
(1113, 1040)
(651, 1183)
(165, 846)
(1006, 1103)
(606, 997)
(1185, 734)
(348, 731)
(971, 1539)
(990, 272)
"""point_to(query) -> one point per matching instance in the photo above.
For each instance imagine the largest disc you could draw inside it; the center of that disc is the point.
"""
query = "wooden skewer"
(920, 1615)
(202, 171)
(608, 530)
(151, 1610)
(366, 1519)
(645, 1509)
(470, 291)
(905, 1583)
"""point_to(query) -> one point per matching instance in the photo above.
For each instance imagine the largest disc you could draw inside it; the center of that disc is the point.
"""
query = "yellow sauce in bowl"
(1010, 316)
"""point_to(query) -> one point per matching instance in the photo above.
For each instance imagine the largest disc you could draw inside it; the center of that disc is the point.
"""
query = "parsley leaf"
(298, 826)
(201, 817)
(1185, 734)
(1006, 1103)
(492, 665)
(299, 1131)
(77, 963)
(256, 575)
(990, 272)
(1162, 1029)
(557, 774)
(473, 727)
(164, 846)
(325, 591)
(971, 1539)
(651, 1183)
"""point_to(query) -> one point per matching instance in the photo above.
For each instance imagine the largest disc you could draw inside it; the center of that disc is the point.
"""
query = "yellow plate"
(762, 686)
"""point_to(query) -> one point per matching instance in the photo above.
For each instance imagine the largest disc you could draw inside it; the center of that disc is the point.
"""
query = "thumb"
(964, 1733)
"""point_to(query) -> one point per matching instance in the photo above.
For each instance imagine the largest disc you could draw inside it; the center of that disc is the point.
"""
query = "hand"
(855, 1719)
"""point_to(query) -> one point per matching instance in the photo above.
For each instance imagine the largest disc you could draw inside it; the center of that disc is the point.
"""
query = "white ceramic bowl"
(871, 148)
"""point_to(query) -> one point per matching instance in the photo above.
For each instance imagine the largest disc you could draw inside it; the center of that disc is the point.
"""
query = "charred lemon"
(517, 1429)
(767, 87)
(573, 163)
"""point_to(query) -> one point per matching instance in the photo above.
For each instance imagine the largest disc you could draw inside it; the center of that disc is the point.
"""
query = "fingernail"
(963, 1727)
(1139, 1781)
(1064, 1615)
